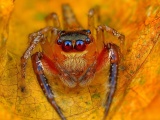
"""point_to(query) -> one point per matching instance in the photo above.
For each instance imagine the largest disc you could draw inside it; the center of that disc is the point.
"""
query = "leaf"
(137, 96)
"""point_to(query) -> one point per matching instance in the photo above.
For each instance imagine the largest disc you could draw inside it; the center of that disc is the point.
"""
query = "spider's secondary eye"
(80, 45)
(59, 41)
(88, 31)
(87, 41)
(67, 46)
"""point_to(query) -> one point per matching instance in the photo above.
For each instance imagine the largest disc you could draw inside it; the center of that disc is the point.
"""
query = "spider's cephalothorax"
(77, 57)
(72, 54)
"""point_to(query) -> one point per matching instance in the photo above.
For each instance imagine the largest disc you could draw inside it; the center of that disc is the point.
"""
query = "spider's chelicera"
(72, 54)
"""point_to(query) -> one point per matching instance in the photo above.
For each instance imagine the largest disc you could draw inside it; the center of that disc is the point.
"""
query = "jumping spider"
(72, 54)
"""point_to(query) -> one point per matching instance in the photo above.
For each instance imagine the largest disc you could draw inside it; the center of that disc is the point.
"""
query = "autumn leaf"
(138, 90)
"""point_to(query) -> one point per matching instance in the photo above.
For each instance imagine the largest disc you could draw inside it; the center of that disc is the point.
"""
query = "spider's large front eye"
(80, 45)
(67, 46)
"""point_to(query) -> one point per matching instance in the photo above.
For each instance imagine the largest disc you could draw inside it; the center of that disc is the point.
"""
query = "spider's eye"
(80, 45)
(59, 41)
(67, 46)
(87, 41)
(88, 31)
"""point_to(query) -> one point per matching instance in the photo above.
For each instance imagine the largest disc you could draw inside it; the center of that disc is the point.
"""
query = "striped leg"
(38, 69)
(114, 60)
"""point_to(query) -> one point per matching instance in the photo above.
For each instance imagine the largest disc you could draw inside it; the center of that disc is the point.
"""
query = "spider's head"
(74, 40)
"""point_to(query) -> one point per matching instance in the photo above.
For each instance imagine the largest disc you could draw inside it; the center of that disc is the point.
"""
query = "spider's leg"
(38, 69)
(120, 36)
(52, 17)
(114, 60)
(34, 38)
(52, 20)
(114, 57)
(93, 18)
(70, 22)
